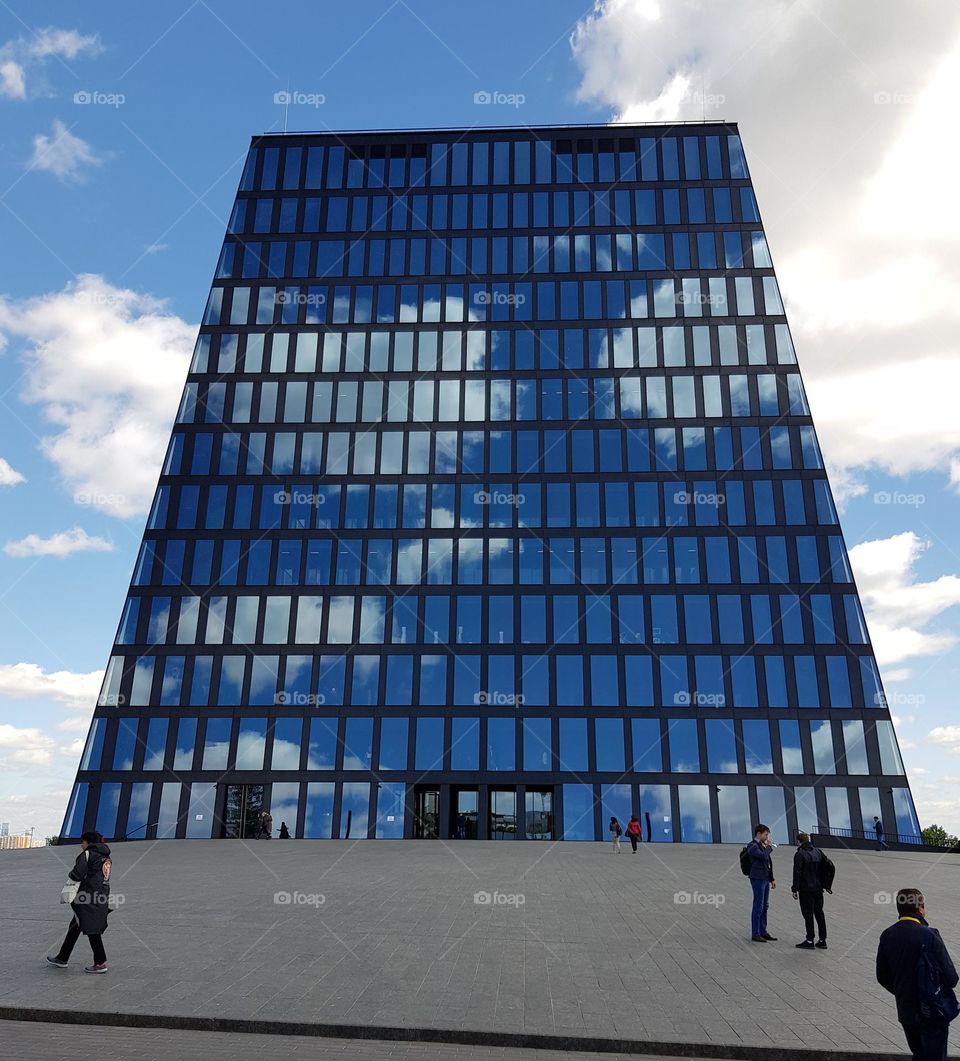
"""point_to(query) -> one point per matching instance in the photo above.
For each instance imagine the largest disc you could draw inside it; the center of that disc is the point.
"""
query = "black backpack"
(826, 871)
(745, 861)
(937, 1002)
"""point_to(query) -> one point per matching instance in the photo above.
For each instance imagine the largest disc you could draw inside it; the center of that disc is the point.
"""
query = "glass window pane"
(578, 812)
(734, 805)
(655, 807)
(354, 810)
(695, 823)
(390, 810)
(200, 815)
(285, 805)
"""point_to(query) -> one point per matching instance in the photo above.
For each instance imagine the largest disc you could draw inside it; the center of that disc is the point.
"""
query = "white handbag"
(70, 890)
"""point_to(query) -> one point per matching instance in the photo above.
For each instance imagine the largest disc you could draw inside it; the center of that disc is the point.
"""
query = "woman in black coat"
(92, 904)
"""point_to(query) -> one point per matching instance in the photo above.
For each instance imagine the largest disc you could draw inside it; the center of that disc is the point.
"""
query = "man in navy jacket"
(897, 958)
(761, 880)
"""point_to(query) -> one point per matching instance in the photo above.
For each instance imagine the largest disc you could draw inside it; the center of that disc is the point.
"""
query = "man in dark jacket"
(878, 829)
(897, 958)
(92, 905)
(809, 890)
(761, 881)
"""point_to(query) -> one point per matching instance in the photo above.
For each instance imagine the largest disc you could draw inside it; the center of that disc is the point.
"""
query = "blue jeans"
(761, 903)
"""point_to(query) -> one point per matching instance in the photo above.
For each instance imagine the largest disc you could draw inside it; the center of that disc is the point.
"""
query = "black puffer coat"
(92, 904)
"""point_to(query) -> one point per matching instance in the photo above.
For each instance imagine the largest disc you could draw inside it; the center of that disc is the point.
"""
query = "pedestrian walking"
(878, 829)
(615, 833)
(813, 874)
(914, 966)
(284, 831)
(633, 831)
(756, 861)
(266, 825)
(90, 903)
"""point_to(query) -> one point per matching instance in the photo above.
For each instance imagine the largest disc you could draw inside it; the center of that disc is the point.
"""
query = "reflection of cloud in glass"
(286, 756)
(251, 747)
(372, 611)
(408, 562)
(340, 624)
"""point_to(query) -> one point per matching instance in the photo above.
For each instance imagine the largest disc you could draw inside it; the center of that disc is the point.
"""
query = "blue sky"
(122, 140)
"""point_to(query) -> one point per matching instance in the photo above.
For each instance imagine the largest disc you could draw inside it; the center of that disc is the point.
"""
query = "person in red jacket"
(633, 831)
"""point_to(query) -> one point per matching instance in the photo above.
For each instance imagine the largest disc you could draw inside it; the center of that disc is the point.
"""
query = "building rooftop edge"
(719, 122)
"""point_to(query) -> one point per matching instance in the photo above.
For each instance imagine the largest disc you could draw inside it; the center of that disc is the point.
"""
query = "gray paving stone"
(598, 946)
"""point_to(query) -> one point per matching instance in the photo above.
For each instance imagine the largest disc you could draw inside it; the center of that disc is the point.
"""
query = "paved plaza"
(637, 953)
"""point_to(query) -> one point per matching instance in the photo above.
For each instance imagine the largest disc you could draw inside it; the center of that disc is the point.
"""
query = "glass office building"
(493, 508)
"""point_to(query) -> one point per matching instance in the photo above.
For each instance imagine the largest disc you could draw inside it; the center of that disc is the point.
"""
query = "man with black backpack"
(813, 874)
(913, 964)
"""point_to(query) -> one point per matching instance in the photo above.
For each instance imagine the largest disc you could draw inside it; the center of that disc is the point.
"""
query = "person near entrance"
(266, 825)
(91, 903)
(758, 851)
(633, 831)
(878, 830)
(912, 964)
(812, 875)
(461, 826)
(615, 833)
(284, 831)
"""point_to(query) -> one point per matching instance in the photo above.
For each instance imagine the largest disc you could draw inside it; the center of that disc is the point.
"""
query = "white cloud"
(13, 82)
(26, 746)
(107, 366)
(949, 736)
(897, 674)
(68, 43)
(29, 54)
(74, 724)
(897, 607)
(75, 540)
(62, 154)
(27, 680)
(860, 210)
(9, 476)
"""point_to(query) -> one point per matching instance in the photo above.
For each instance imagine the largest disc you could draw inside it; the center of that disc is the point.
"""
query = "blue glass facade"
(493, 507)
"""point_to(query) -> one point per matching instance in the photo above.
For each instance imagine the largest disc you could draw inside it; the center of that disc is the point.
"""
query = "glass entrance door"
(241, 812)
(465, 808)
(426, 819)
(503, 814)
(538, 817)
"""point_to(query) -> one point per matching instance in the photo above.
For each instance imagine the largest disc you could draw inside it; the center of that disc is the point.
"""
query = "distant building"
(18, 841)
(4, 828)
(493, 508)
